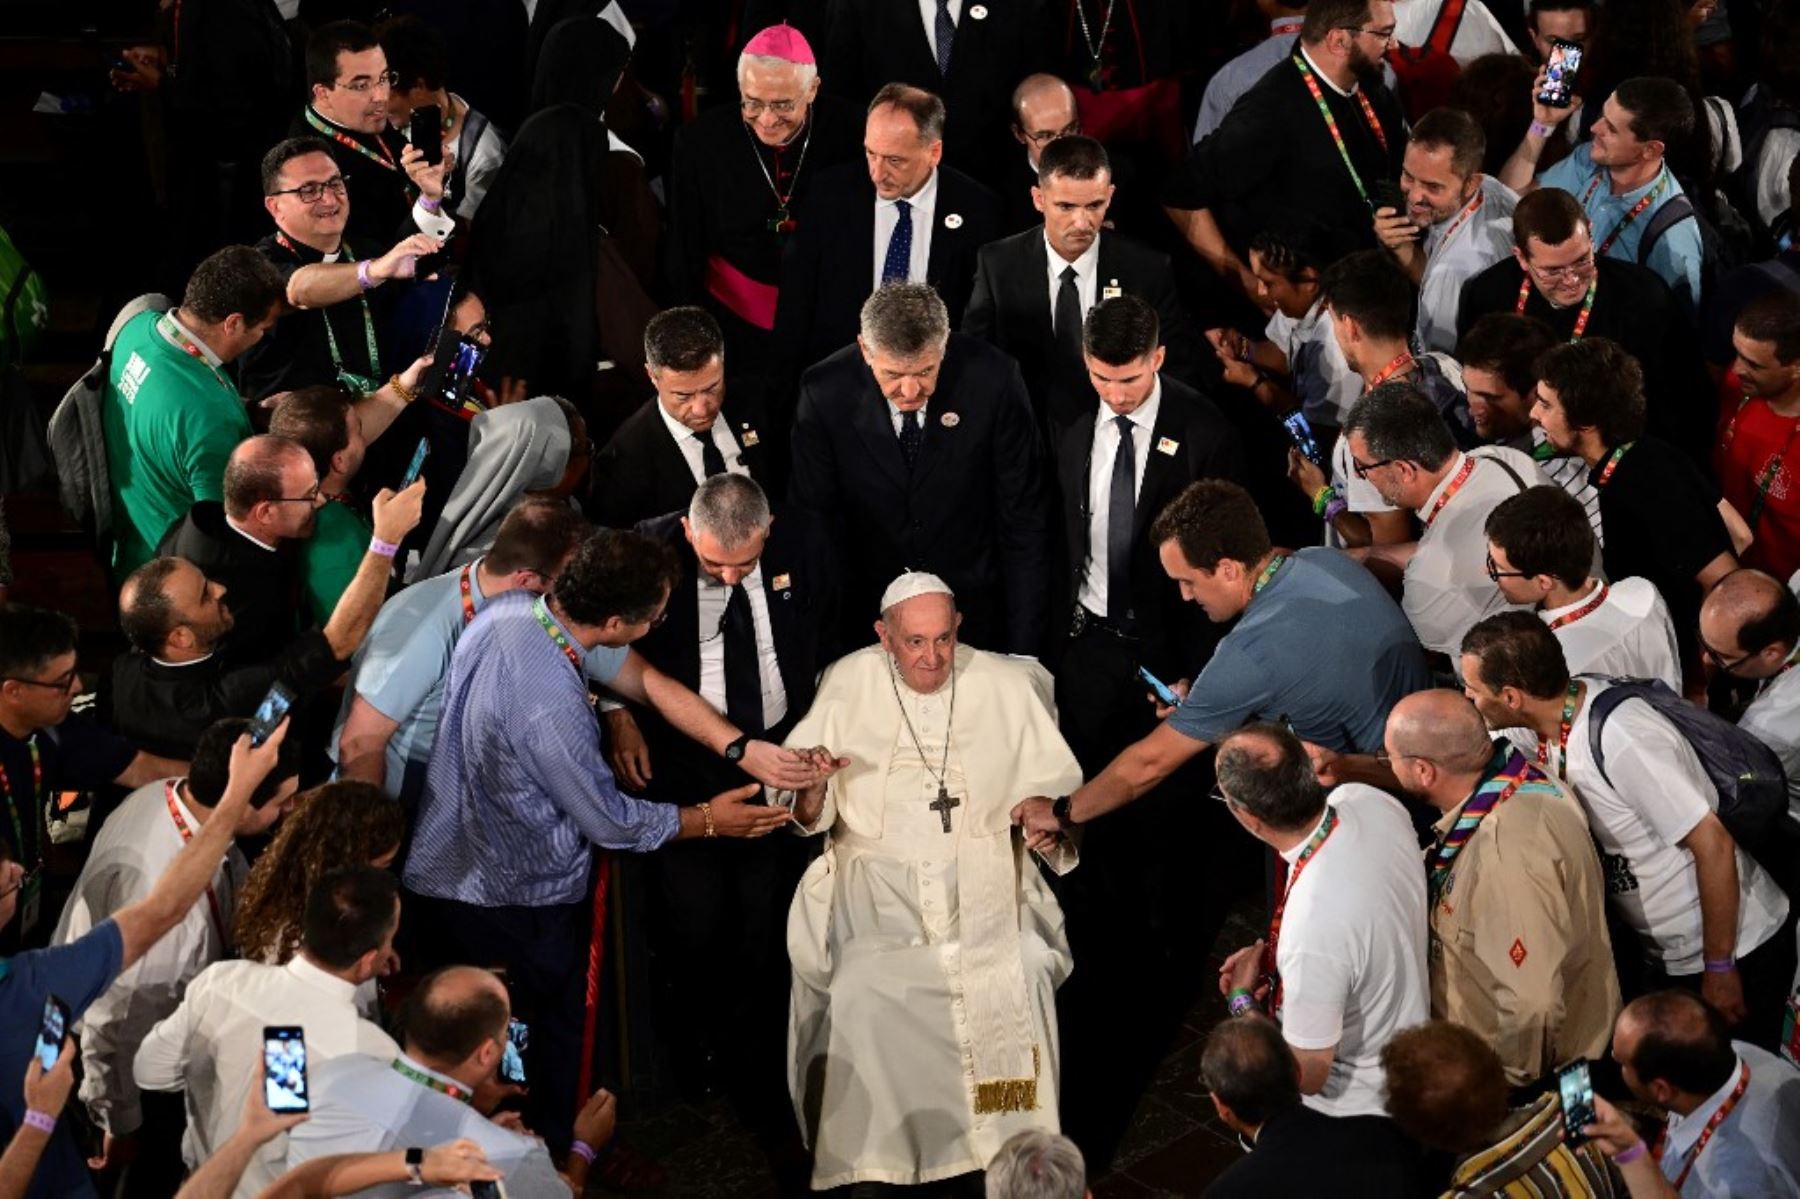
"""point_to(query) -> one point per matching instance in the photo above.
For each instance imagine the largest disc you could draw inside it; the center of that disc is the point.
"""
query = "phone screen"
(51, 1032)
(269, 713)
(1157, 685)
(1559, 73)
(284, 1069)
(480, 1189)
(1302, 436)
(512, 1060)
(452, 369)
(1577, 1099)
(426, 132)
(416, 465)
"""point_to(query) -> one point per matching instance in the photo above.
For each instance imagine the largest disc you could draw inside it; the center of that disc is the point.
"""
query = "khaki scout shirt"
(1519, 951)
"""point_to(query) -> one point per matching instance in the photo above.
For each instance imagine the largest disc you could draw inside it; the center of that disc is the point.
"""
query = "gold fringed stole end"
(1009, 1094)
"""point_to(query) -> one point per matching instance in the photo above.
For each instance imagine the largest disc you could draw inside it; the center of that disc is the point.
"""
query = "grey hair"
(905, 319)
(1036, 1164)
(730, 508)
(1400, 424)
(808, 71)
(1264, 770)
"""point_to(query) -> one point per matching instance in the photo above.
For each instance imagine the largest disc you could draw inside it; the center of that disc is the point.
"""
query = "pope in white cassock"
(926, 946)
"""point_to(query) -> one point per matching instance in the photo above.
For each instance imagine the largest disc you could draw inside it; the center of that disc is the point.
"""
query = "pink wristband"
(386, 549)
(44, 1122)
(429, 204)
(362, 275)
(1541, 129)
(584, 1151)
(1720, 965)
(1630, 1155)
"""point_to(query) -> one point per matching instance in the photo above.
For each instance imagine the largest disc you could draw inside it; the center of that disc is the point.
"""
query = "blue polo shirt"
(77, 973)
(1676, 255)
(1322, 646)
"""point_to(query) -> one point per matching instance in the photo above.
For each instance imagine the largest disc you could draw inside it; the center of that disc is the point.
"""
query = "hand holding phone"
(512, 1058)
(1161, 688)
(1385, 193)
(416, 465)
(270, 713)
(1560, 67)
(284, 1069)
(426, 131)
(1577, 1090)
(53, 1027)
(1301, 434)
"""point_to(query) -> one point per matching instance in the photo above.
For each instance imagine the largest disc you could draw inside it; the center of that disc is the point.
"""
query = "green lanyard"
(12, 802)
(1268, 573)
(359, 384)
(438, 1085)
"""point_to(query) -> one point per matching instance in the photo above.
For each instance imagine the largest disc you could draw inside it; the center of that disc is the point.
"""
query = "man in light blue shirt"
(1622, 181)
(1236, 77)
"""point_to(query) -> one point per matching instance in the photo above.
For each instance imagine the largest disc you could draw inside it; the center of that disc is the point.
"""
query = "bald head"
(1043, 110)
(1441, 725)
(1751, 623)
(255, 472)
(455, 1018)
(1675, 1048)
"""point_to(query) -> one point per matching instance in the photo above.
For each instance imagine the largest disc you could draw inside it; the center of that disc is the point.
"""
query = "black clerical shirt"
(261, 583)
(381, 195)
(297, 352)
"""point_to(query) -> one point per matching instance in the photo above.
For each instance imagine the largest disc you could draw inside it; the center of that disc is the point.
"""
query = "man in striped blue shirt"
(518, 792)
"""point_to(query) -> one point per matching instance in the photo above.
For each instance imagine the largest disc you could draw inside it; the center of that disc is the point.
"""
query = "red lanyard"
(187, 834)
(170, 329)
(1562, 732)
(1456, 482)
(1326, 828)
(542, 611)
(1581, 318)
(1712, 1125)
(1285, 27)
(1571, 617)
(12, 805)
(1387, 372)
(1331, 125)
(1644, 201)
(468, 595)
(1612, 464)
(384, 159)
(1467, 212)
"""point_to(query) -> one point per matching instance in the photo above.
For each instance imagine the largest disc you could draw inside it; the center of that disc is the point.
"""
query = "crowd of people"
(1298, 461)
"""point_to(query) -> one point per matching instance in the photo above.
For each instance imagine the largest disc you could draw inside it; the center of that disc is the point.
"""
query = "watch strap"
(415, 1166)
(735, 751)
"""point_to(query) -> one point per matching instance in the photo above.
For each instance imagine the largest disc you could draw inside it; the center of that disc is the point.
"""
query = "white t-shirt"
(1352, 947)
(1629, 635)
(1322, 379)
(1446, 589)
(1773, 718)
(1653, 794)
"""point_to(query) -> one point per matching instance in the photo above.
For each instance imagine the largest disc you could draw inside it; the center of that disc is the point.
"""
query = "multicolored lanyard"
(1331, 125)
(468, 594)
(542, 611)
(461, 1094)
(384, 159)
(1401, 362)
(1581, 318)
(12, 805)
(361, 384)
(1766, 479)
(1456, 482)
(1268, 573)
(166, 325)
(1644, 201)
(1571, 617)
(187, 834)
(1516, 773)
(1612, 464)
(1712, 1125)
(1311, 849)
(1562, 732)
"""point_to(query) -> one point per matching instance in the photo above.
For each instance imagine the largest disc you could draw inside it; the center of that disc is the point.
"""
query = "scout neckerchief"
(461, 1094)
(1612, 464)
(358, 384)
(32, 885)
(187, 834)
(384, 158)
(1644, 201)
(167, 325)
(1712, 1125)
(1562, 732)
(1311, 849)
(1599, 597)
(1515, 772)
(782, 221)
(1331, 125)
(1766, 479)
(542, 611)
(1581, 318)
(1456, 484)
(1401, 362)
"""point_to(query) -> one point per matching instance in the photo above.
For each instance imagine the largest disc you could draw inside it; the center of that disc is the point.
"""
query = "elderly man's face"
(1043, 117)
(920, 635)
(900, 159)
(907, 382)
(774, 100)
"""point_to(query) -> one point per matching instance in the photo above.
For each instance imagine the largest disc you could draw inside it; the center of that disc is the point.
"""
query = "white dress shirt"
(896, 417)
(1773, 717)
(712, 597)
(693, 452)
(928, 10)
(1629, 635)
(211, 1047)
(1087, 281)
(133, 850)
(1446, 589)
(1100, 469)
(887, 219)
(1457, 249)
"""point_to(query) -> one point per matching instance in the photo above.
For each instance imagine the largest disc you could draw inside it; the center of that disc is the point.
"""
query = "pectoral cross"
(943, 804)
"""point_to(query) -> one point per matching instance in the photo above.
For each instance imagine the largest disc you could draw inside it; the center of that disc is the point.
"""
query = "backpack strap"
(1600, 707)
(1674, 211)
(1448, 24)
(1501, 462)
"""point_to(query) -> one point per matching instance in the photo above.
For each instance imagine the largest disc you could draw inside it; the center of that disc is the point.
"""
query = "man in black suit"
(902, 217)
(970, 54)
(1033, 289)
(686, 434)
(748, 626)
(917, 450)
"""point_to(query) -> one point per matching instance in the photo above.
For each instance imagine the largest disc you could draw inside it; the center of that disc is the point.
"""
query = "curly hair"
(338, 824)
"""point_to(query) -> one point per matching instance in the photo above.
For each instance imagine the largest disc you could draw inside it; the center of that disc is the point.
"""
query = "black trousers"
(1767, 973)
(542, 952)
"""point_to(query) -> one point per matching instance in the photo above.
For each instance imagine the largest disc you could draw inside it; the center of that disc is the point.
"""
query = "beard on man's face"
(1366, 67)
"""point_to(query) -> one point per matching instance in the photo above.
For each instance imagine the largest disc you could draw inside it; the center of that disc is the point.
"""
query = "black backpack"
(1752, 786)
(1720, 251)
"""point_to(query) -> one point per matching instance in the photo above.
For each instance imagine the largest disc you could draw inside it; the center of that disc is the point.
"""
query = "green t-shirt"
(171, 420)
(330, 557)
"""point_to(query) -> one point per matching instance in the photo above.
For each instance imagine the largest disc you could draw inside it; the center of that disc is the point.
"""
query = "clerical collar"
(192, 662)
(206, 351)
(250, 537)
(1323, 77)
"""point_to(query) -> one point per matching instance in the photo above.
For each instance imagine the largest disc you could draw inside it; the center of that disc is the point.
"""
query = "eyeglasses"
(781, 108)
(1046, 136)
(312, 193)
(1386, 35)
(63, 683)
(311, 497)
(1572, 271)
(1362, 468)
(1496, 574)
(1218, 793)
(365, 83)
(1720, 660)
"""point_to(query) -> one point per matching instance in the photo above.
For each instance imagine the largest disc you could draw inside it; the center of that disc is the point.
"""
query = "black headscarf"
(580, 62)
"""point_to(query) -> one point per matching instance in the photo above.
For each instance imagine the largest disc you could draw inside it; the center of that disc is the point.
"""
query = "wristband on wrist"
(1630, 1155)
(429, 204)
(1322, 498)
(1720, 965)
(386, 549)
(407, 395)
(44, 1122)
(1335, 509)
(584, 1151)
(362, 275)
(706, 815)
(1239, 1000)
(1542, 130)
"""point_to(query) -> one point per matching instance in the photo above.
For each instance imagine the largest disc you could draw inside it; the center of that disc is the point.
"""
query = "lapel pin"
(749, 438)
(979, 12)
(1167, 445)
(953, 221)
(950, 420)
(1112, 291)
(781, 582)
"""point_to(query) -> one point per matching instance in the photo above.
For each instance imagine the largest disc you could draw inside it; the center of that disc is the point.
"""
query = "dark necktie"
(912, 436)
(899, 252)
(1068, 315)
(711, 461)
(743, 671)
(946, 37)
(1121, 514)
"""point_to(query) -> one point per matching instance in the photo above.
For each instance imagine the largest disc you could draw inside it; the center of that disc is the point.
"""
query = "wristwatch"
(1060, 810)
(415, 1167)
(735, 751)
